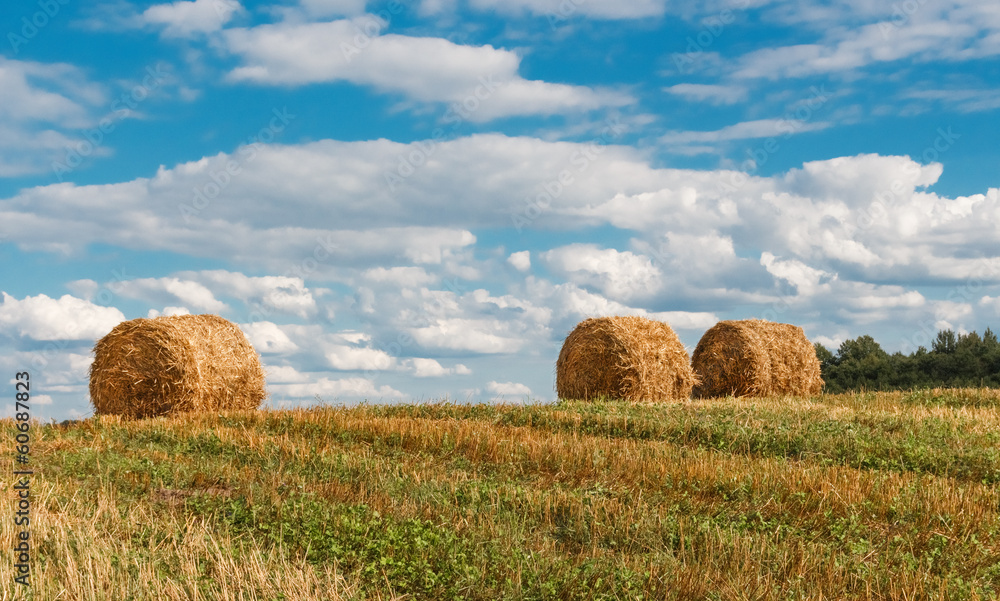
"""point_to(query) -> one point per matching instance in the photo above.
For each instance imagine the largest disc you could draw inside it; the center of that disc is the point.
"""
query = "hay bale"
(631, 358)
(754, 357)
(149, 367)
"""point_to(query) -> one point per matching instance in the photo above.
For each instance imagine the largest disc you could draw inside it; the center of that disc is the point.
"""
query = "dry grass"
(103, 548)
(754, 357)
(150, 367)
(583, 461)
(571, 501)
(630, 358)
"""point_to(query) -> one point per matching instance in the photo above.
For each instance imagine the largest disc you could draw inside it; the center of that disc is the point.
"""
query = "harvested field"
(862, 496)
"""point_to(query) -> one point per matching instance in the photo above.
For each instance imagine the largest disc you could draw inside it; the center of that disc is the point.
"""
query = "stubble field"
(856, 496)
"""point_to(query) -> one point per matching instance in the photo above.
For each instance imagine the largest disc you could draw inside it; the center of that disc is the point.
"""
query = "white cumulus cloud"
(508, 388)
(184, 18)
(399, 276)
(471, 335)
(268, 337)
(520, 261)
(280, 293)
(330, 389)
(804, 278)
(561, 10)
(618, 275)
(284, 374)
(66, 318)
(713, 93)
(429, 368)
(482, 80)
(348, 358)
(42, 108)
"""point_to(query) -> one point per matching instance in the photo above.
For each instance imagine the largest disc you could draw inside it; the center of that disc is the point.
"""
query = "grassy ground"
(866, 496)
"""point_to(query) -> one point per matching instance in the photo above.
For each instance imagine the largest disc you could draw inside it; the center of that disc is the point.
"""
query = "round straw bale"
(149, 367)
(631, 358)
(754, 357)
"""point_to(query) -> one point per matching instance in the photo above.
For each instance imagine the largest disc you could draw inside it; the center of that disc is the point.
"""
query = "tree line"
(954, 360)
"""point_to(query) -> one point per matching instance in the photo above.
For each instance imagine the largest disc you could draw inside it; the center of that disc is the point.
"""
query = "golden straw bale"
(754, 357)
(631, 358)
(149, 367)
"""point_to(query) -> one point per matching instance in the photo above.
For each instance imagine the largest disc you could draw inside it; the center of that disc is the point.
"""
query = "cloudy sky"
(412, 200)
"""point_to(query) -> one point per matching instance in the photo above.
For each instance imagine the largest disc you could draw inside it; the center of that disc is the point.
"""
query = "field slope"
(858, 496)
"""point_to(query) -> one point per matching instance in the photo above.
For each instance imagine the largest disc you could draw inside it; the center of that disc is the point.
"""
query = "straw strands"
(753, 357)
(149, 367)
(631, 358)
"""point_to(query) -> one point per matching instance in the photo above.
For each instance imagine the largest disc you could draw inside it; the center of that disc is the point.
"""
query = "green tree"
(967, 367)
(954, 360)
(945, 342)
(861, 363)
(991, 359)
(823, 354)
(860, 349)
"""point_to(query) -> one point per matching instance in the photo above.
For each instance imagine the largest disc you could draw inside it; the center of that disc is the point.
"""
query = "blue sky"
(417, 200)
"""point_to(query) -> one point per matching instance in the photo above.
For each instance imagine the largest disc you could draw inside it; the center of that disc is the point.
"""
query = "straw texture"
(150, 367)
(753, 357)
(630, 358)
